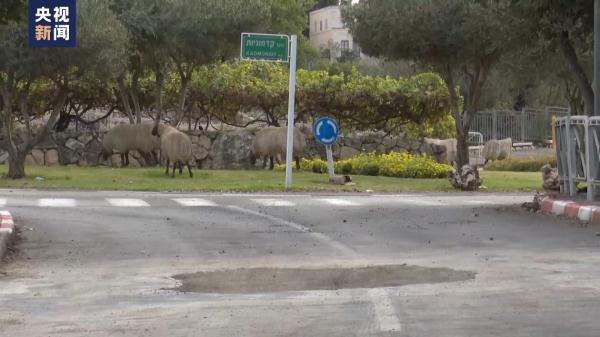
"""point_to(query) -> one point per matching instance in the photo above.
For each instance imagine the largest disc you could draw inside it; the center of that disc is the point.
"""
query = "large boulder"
(3, 157)
(38, 156)
(92, 152)
(442, 150)
(75, 145)
(232, 150)
(347, 152)
(29, 160)
(51, 157)
(67, 156)
(85, 138)
(199, 152)
(203, 141)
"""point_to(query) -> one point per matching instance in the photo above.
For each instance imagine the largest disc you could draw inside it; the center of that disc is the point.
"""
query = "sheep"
(175, 146)
(129, 137)
(497, 149)
(270, 142)
(443, 150)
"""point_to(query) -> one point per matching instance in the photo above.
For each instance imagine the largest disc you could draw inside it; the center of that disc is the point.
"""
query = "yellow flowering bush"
(393, 164)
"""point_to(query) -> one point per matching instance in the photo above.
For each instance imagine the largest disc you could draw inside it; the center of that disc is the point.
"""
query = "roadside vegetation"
(530, 164)
(154, 179)
(393, 164)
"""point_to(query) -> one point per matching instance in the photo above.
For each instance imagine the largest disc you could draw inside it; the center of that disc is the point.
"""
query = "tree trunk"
(159, 102)
(579, 75)
(16, 165)
(462, 147)
(182, 99)
(122, 88)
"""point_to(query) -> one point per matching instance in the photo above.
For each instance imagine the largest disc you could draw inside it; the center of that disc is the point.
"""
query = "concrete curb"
(571, 209)
(7, 231)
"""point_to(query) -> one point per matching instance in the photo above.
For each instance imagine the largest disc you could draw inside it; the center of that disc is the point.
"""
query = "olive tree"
(36, 83)
(460, 40)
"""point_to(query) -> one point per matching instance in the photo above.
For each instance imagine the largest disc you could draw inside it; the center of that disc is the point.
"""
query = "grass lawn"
(153, 179)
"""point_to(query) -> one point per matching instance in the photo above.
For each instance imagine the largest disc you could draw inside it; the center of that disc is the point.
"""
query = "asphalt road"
(103, 264)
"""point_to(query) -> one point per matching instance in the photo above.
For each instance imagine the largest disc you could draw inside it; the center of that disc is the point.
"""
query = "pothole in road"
(267, 280)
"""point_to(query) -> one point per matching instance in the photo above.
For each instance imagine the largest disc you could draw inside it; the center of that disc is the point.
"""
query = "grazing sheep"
(442, 150)
(129, 137)
(270, 142)
(497, 149)
(175, 146)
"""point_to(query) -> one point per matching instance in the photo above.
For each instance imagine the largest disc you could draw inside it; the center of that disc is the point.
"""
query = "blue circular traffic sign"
(326, 130)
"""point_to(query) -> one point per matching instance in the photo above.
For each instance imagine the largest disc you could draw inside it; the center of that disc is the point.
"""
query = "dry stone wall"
(229, 149)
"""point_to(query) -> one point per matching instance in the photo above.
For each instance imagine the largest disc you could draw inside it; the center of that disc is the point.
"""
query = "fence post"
(523, 125)
(588, 155)
(494, 124)
(570, 182)
(551, 119)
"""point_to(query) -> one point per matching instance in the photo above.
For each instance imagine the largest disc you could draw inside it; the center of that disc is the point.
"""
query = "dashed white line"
(123, 202)
(194, 202)
(2, 202)
(274, 202)
(338, 202)
(55, 202)
(384, 310)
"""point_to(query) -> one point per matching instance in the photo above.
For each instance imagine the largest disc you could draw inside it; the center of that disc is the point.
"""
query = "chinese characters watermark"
(52, 23)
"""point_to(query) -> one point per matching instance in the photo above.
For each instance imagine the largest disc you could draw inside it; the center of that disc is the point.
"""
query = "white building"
(328, 33)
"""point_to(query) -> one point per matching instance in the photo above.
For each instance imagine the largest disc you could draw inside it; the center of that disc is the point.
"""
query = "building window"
(345, 45)
(326, 24)
(321, 25)
(315, 26)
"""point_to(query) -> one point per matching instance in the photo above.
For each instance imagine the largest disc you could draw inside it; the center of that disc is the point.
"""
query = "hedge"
(394, 164)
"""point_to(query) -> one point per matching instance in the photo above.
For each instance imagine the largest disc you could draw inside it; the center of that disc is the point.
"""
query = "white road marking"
(384, 309)
(2, 202)
(194, 202)
(57, 202)
(274, 202)
(123, 202)
(421, 202)
(338, 202)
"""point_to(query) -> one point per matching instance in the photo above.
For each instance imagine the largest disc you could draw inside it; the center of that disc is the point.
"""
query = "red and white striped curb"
(571, 209)
(7, 224)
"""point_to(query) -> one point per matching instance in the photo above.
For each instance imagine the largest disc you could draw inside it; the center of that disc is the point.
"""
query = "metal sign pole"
(290, 122)
(597, 57)
(330, 161)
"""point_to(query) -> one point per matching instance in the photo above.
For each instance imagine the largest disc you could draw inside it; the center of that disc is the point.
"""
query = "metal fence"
(527, 125)
(578, 153)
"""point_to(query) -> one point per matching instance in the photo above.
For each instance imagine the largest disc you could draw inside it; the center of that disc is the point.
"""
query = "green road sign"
(265, 47)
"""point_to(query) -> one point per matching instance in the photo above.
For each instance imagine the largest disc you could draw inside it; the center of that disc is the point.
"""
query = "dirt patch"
(266, 280)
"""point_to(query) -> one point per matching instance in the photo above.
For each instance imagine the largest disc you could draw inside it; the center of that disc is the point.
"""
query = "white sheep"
(129, 137)
(497, 149)
(443, 150)
(271, 142)
(175, 146)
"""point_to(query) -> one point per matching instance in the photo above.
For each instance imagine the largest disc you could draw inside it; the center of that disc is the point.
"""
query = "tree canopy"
(461, 40)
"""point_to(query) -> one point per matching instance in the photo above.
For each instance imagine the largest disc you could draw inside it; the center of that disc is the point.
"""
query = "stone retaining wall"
(212, 149)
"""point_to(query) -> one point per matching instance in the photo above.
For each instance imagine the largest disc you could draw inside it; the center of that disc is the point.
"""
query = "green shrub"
(346, 168)
(370, 170)
(400, 165)
(529, 164)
